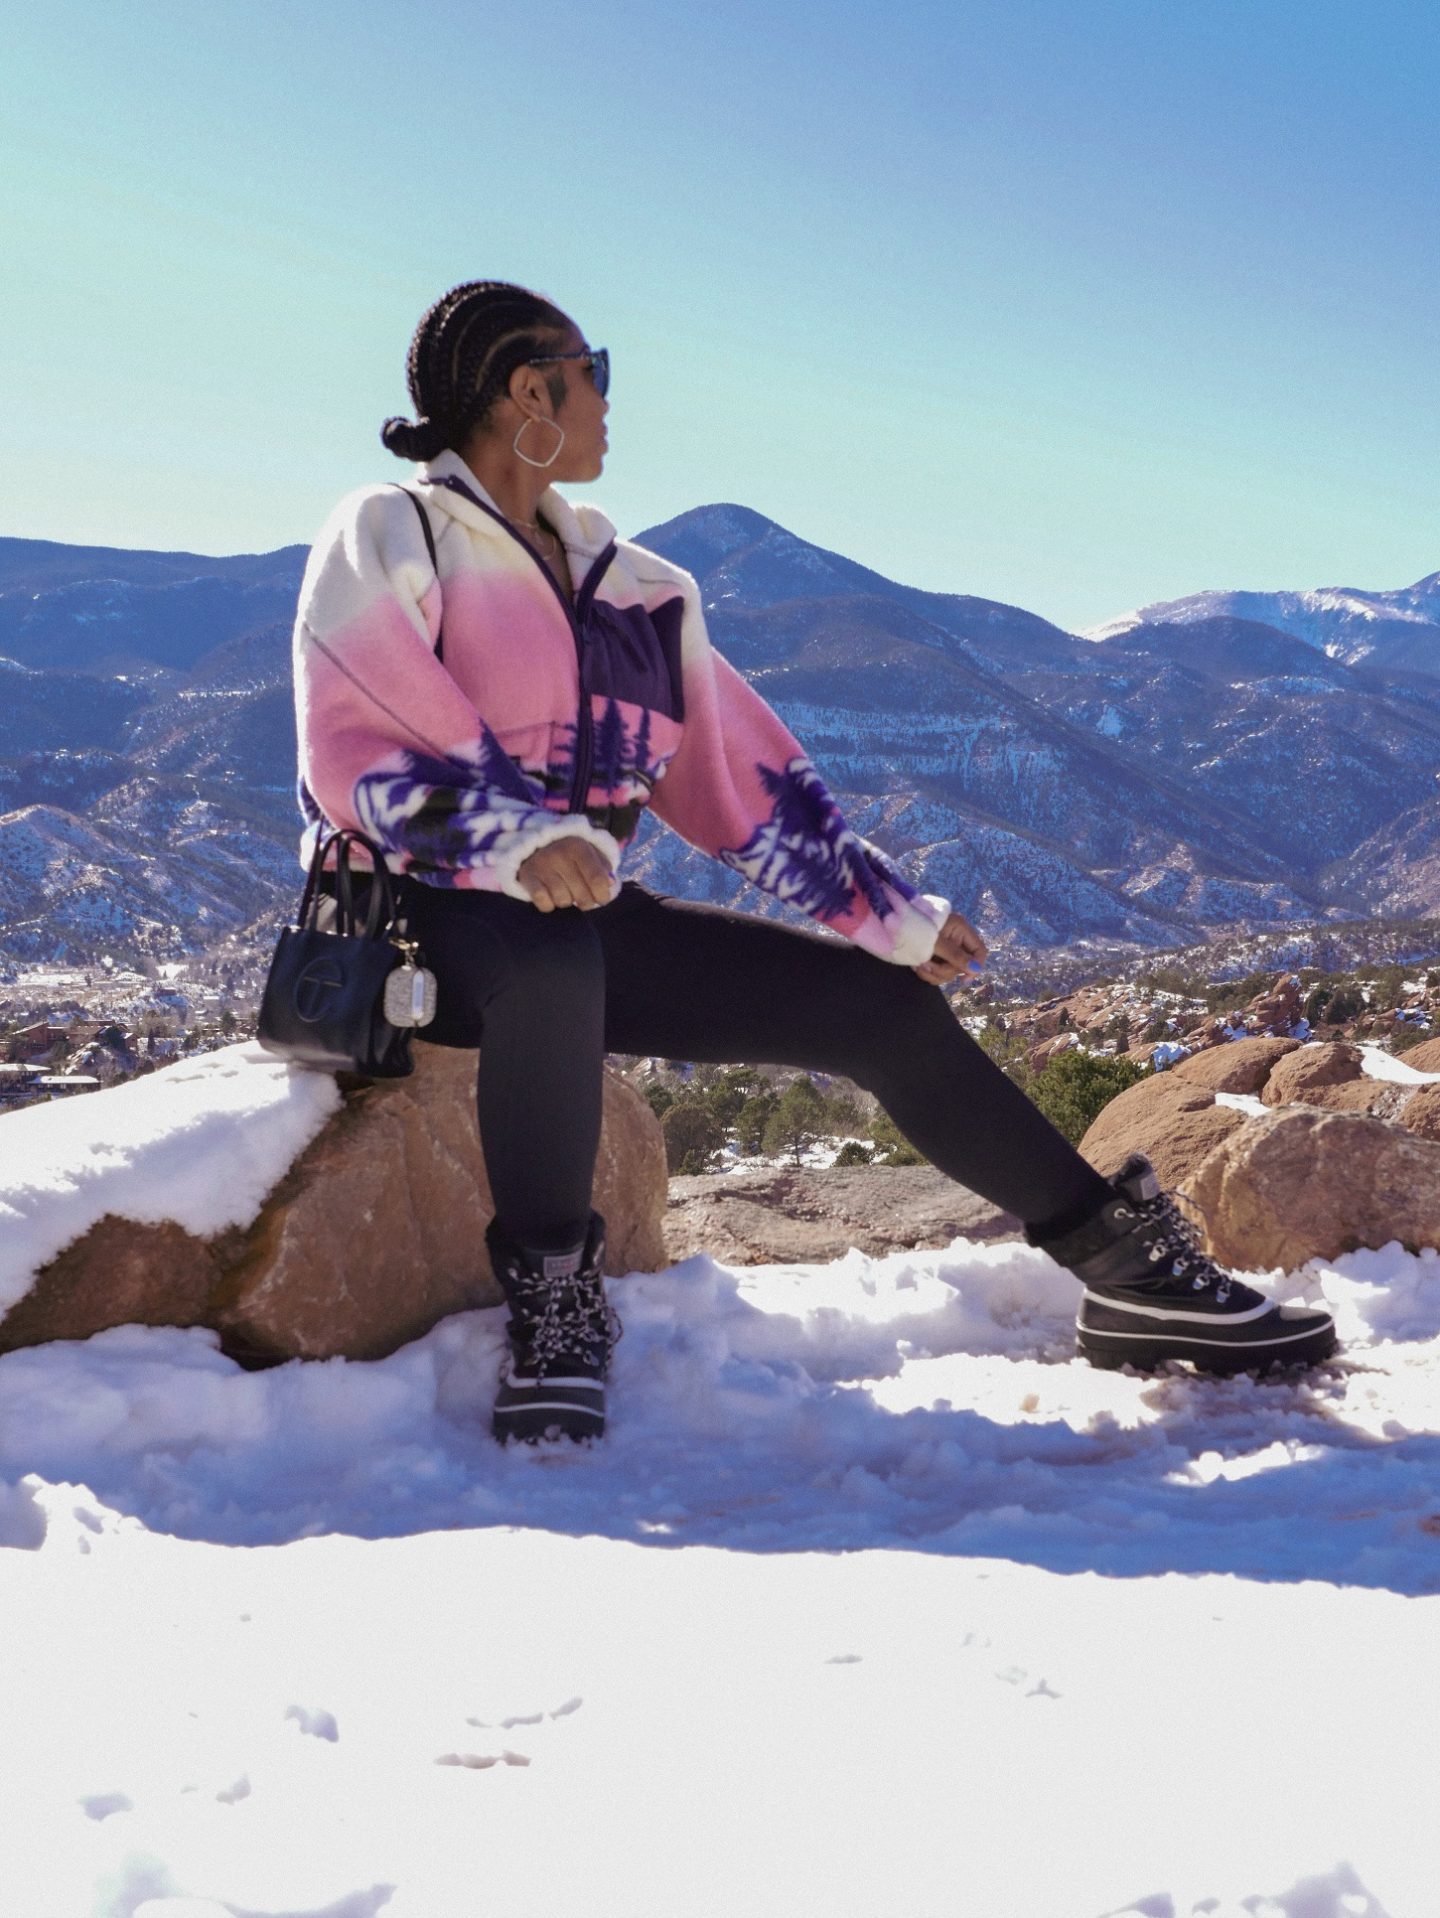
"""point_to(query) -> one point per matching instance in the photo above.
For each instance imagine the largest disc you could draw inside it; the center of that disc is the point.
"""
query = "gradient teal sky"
(1075, 304)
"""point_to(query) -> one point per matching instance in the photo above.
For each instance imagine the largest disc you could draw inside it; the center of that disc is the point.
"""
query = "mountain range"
(1224, 762)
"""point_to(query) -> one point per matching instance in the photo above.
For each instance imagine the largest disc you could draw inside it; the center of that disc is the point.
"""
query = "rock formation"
(374, 1233)
(1300, 1183)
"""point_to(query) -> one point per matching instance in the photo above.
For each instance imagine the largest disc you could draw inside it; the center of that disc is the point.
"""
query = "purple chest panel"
(634, 655)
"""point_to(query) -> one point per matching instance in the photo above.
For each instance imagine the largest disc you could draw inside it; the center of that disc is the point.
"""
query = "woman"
(497, 716)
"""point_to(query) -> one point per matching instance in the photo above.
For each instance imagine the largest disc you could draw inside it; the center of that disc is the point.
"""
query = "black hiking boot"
(1151, 1294)
(562, 1332)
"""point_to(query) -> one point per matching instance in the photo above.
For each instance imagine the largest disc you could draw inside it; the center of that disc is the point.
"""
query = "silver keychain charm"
(410, 992)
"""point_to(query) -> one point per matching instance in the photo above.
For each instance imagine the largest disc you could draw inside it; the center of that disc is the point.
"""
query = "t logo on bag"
(320, 977)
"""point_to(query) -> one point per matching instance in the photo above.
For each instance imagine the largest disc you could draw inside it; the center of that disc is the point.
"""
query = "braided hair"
(461, 358)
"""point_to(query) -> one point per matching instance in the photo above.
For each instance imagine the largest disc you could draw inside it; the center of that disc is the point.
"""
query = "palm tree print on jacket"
(446, 814)
(807, 855)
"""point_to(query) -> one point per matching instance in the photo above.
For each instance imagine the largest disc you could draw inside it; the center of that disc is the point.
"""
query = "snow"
(201, 1142)
(870, 1589)
(1377, 1063)
(1245, 1102)
(873, 1600)
(1168, 1053)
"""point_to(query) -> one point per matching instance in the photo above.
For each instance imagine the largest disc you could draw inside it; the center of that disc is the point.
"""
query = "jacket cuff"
(552, 826)
(920, 921)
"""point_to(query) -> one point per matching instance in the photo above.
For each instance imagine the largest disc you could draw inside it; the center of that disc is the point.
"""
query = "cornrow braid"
(461, 358)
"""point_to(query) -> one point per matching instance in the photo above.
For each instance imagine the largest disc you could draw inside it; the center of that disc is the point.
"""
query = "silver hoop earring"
(554, 424)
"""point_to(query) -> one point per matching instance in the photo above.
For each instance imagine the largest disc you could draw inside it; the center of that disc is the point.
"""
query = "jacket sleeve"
(741, 788)
(388, 743)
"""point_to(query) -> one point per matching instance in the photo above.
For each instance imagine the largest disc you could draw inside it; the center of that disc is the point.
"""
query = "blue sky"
(1073, 305)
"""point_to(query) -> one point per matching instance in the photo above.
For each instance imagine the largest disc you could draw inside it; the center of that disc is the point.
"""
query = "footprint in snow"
(482, 1761)
(1017, 1675)
(104, 1804)
(317, 1724)
(526, 1718)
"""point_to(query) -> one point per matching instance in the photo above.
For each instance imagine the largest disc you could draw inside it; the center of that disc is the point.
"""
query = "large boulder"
(1242, 1065)
(1325, 1063)
(1425, 1057)
(1173, 1120)
(374, 1232)
(378, 1230)
(1382, 1098)
(120, 1272)
(1304, 1183)
(1420, 1112)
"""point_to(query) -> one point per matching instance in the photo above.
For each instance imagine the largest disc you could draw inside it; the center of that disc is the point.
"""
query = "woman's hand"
(956, 946)
(568, 872)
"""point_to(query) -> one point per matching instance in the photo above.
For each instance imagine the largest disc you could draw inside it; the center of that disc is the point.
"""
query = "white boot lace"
(567, 1318)
(1177, 1237)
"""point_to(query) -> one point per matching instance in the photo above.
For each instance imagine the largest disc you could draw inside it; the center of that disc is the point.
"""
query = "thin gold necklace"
(541, 534)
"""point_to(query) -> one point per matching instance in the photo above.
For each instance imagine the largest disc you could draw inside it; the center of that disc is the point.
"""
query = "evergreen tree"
(853, 1153)
(1076, 1086)
(751, 1120)
(892, 1147)
(727, 1092)
(609, 754)
(692, 1138)
(798, 1119)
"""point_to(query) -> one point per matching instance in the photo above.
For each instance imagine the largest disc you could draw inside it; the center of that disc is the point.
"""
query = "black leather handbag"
(347, 999)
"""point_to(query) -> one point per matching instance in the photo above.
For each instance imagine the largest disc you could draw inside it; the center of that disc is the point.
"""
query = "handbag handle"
(381, 892)
(415, 501)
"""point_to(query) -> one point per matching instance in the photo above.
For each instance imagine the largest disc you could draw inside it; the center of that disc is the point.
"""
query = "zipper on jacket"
(585, 721)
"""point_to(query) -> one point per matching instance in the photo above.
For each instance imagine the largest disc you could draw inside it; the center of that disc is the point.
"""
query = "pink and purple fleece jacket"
(546, 720)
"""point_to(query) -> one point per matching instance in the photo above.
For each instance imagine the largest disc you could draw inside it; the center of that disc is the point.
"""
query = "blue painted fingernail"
(975, 966)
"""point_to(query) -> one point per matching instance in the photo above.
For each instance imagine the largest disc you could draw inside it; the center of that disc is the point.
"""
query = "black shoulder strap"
(418, 504)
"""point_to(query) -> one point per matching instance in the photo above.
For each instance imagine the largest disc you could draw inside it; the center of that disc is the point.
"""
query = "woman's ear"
(530, 392)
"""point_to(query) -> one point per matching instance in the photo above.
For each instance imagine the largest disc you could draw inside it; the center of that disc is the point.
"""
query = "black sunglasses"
(597, 364)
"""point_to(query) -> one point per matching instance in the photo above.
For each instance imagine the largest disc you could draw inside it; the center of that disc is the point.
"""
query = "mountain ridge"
(1141, 789)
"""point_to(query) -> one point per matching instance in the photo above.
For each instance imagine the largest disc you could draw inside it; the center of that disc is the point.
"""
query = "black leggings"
(545, 995)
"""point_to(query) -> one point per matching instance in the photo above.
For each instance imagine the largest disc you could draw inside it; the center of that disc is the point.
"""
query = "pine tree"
(796, 854)
(797, 1121)
(1076, 1086)
(639, 760)
(752, 1118)
(610, 744)
(692, 1138)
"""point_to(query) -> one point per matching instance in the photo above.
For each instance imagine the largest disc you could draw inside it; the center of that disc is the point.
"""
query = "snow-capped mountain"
(1399, 628)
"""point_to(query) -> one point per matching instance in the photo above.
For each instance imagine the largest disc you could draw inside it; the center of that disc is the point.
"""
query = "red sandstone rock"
(1172, 1120)
(1303, 1183)
(1420, 1111)
(1278, 1009)
(1326, 1064)
(372, 1235)
(1243, 1065)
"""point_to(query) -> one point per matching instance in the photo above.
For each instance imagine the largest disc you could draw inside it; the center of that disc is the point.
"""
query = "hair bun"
(418, 439)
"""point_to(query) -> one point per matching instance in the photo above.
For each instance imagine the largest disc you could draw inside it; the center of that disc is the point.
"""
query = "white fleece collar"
(584, 529)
